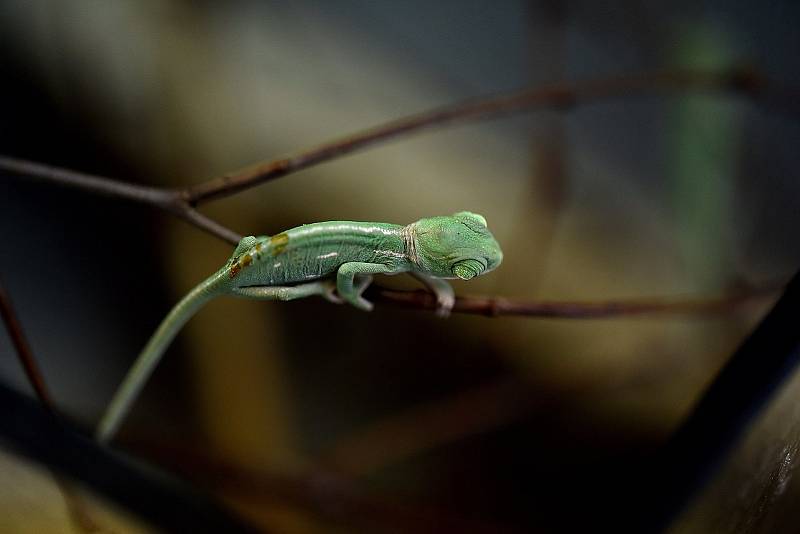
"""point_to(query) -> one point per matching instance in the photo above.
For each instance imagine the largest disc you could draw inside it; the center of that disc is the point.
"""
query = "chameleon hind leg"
(323, 288)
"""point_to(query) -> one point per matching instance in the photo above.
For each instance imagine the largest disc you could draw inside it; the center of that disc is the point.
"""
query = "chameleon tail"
(147, 360)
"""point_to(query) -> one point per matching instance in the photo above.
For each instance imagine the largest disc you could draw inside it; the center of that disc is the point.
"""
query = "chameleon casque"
(334, 260)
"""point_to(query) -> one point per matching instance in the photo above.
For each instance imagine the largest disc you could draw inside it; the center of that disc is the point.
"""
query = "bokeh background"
(503, 424)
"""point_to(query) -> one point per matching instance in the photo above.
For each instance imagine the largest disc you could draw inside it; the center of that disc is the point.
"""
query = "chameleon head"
(455, 246)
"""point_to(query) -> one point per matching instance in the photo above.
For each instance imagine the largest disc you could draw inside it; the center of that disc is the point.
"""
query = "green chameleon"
(335, 260)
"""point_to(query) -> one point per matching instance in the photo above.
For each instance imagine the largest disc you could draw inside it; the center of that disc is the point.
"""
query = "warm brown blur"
(308, 417)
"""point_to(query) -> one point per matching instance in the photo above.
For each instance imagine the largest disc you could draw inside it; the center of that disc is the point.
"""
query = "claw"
(444, 304)
(329, 292)
(363, 304)
(362, 283)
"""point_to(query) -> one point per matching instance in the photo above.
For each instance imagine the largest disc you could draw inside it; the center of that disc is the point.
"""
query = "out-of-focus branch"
(76, 506)
(447, 420)
(499, 306)
(328, 495)
(78, 509)
(23, 349)
(163, 500)
(742, 389)
(431, 425)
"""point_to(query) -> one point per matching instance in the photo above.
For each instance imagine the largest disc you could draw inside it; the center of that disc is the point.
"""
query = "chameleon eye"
(468, 215)
(466, 269)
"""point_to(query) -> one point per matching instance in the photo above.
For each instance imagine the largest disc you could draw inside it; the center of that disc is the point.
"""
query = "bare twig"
(497, 306)
(555, 96)
(181, 202)
(99, 185)
(163, 199)
(192, 216)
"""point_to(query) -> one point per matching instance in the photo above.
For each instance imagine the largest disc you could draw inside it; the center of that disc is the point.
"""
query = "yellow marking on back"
(278, 243)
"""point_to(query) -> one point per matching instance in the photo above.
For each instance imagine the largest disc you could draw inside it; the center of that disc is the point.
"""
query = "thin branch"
(181, 202)
(161, 198)
(554, 96)
(99, 185)
(498, 306)
(78, 510)
(192, 216)
(23, 349)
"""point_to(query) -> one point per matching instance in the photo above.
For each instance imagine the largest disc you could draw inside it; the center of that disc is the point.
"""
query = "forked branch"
(182, 202)
(555, 96)
(157, 197)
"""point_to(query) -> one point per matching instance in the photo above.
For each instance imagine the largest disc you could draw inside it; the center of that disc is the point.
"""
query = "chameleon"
(334, 260)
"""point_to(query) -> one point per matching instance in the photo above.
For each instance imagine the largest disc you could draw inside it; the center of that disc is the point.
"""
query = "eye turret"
(466, 269)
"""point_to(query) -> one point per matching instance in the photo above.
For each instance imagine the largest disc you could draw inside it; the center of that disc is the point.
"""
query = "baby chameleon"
(335, 260)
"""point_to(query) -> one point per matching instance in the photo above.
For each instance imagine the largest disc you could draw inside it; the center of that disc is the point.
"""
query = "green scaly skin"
(335, 260)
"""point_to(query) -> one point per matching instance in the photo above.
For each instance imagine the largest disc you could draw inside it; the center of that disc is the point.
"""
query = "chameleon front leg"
(445, 296)
(349, 289)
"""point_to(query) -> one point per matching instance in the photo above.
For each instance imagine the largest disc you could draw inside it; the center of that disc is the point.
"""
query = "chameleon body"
(335, 260)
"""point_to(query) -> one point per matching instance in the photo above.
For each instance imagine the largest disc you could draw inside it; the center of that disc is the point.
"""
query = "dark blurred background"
(508, 423)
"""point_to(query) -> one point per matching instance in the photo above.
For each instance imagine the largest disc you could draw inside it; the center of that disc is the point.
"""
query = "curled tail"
(145, 363)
